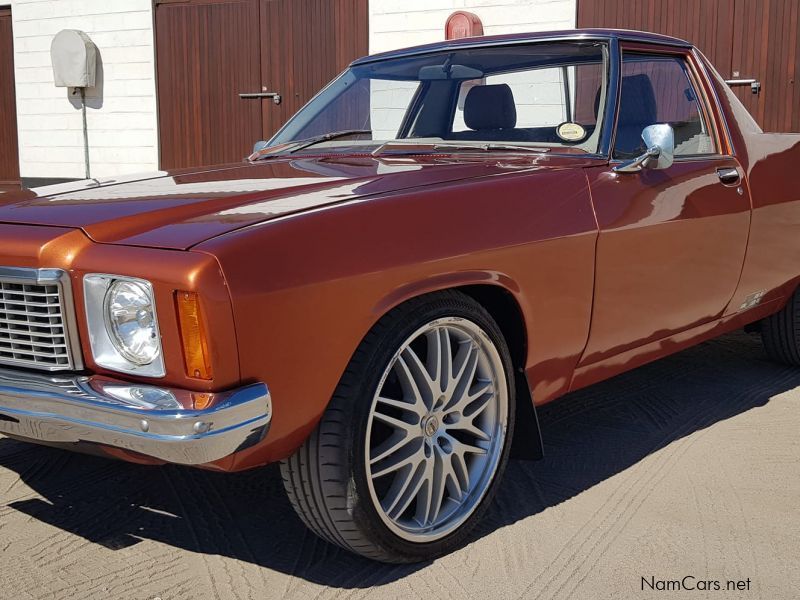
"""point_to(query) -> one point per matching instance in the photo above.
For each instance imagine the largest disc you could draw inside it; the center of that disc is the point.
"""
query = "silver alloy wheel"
(436, 429)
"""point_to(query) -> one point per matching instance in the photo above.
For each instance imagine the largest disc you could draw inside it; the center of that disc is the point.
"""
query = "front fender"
(306, 289)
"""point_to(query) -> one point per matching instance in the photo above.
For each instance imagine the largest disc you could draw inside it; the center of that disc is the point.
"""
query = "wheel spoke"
(412, 490)
(451, 480)
(467, 425)
(398, 461)
(438, 488)
(425, 495)
(410, 384)
(400, 404)
(460, 470)
(418, 373)
(482, 390)
(483, 387)
(393, 444)
(434, 360)
(467, 359)
(394, 422)
(464, 448)
(404, 490)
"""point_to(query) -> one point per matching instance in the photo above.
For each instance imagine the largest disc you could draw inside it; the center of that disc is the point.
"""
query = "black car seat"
(491, 114)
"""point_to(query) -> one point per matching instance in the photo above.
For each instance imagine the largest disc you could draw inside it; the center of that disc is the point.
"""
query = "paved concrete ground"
(686, 467)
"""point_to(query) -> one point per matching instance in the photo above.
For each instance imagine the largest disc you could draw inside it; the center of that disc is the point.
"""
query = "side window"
(657, 89)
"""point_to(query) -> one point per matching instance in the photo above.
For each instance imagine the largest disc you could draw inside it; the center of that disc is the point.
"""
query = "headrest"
(642, 110)
(640, 101)
(490, 107)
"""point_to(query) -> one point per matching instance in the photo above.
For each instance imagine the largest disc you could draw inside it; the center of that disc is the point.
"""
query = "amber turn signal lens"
(193, 335)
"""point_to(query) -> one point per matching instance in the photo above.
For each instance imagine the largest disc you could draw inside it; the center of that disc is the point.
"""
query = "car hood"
(178, 209)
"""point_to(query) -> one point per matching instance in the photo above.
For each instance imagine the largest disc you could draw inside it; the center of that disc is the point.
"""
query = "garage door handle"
(728, 175)
(276, 97)
(755, 84)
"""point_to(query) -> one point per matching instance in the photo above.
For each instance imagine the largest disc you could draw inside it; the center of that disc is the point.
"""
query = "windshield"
(544, 95)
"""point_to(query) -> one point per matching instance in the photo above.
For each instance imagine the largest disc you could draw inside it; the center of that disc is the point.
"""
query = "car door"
(671, 242)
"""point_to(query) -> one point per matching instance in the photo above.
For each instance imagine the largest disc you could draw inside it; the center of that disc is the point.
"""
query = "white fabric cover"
(74, 58)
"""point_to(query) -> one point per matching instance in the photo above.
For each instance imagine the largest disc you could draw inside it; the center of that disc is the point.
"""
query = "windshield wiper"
(328, 136)
(490, 147)
(403, 147)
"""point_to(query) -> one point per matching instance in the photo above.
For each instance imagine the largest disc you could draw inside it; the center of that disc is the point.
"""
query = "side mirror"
(260, 145)
(660, 142)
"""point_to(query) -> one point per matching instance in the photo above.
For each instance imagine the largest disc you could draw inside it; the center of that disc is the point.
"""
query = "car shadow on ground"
(589, 436)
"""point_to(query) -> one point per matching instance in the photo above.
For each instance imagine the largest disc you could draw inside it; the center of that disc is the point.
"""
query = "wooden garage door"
(211, 51)
(305, 43)
(9, 160)
(742, 38)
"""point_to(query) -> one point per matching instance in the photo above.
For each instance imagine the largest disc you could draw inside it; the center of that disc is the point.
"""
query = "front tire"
(411, 448)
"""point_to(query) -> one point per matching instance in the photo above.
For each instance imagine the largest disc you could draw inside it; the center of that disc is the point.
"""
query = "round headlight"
(131, 322)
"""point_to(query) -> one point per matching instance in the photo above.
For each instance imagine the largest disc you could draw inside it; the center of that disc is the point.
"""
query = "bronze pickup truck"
(443, 239)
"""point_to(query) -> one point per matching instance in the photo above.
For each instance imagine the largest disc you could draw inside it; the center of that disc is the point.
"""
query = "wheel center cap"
(430, 426)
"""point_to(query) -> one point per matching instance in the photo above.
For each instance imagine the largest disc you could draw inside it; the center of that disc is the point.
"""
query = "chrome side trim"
(60, 278)
(144, 419)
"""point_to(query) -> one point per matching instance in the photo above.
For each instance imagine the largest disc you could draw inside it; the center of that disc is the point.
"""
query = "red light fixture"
(463, 24)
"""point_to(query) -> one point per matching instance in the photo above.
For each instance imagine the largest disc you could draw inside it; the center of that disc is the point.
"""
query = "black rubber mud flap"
(527, 443)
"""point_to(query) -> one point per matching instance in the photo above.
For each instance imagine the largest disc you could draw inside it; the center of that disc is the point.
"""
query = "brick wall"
(122, 119)
(397, 24)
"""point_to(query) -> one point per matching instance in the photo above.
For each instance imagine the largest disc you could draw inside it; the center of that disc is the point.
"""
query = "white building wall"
(123, 130)
(399, 23)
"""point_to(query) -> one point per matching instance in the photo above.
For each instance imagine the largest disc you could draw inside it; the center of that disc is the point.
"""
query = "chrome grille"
(34, 324)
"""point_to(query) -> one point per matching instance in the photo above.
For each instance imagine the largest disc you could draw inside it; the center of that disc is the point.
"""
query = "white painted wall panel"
(123, 130)
(397, 24)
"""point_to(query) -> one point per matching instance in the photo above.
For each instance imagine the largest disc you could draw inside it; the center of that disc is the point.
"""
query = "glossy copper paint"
(178, 209)
(71, 250)
(319, 299)
(295, 259)
(669, 255)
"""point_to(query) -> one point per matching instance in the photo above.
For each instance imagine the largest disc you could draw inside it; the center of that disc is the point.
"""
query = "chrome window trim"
(706, 68)
(60, 278)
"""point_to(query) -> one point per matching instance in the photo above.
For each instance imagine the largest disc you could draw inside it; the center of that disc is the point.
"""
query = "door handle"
(755, 84)
(728, 175)
(276, 97)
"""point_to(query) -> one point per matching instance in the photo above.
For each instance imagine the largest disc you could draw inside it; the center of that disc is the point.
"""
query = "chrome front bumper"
(145, 419)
